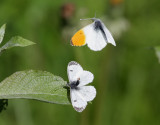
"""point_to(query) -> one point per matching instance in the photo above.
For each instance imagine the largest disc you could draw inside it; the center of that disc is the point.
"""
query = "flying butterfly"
(95, 35)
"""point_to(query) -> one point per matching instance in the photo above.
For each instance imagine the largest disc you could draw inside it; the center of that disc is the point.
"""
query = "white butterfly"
(95, 35)
(79, 93)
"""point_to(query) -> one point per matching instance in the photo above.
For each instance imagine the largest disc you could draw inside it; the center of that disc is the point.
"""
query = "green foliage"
(39, 85)
(16, 41)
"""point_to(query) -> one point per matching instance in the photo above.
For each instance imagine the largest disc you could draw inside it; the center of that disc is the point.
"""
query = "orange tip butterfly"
(95, 35)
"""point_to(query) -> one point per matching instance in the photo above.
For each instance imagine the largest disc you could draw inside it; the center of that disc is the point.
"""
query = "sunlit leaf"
(16, 41)
(31, 84)
(157, 50)
(2, 32)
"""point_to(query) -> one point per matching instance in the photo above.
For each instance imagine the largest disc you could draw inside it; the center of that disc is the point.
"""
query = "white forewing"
(78, 102)
(74, 70)
(86, 77)
(94, 39)
(108, 34)
(88, 92)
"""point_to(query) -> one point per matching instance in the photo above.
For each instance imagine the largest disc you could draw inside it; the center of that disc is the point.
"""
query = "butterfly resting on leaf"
(80, 94)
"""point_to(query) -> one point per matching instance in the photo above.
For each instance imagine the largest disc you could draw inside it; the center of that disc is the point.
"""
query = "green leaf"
(16, 41)
(31, 84)
(157, 50)
(2, 32)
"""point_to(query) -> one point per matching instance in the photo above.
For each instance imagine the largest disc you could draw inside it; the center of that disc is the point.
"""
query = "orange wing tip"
(74, 44)
(78, 39)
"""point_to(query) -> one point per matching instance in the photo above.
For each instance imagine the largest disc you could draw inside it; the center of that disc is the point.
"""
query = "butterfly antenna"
(93, 19)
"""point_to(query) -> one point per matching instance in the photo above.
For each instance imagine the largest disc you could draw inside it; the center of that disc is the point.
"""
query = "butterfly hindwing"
(77, 100)
(88, 92)
(108, 35)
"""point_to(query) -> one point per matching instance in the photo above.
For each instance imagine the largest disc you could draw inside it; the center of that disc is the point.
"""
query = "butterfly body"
(74, 84)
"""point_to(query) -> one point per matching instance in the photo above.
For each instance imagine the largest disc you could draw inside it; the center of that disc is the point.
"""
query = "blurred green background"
(127, 77)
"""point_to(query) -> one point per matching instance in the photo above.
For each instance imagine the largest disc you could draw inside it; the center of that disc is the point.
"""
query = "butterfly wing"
(108, 35)
(80, 97)
(79, 38)
(86, 77)
(94, 38)
(74, 70)
(77, 100)
(88, 92)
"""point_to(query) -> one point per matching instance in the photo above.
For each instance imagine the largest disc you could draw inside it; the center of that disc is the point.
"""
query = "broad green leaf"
(157, 50)
(31, 84)
(16, 41)
(2, 32)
